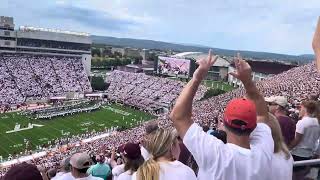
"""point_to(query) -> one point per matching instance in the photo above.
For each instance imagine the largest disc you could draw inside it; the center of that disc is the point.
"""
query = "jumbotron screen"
(173, 66)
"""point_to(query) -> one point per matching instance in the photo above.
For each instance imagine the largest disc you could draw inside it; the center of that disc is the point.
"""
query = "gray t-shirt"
(310, 129)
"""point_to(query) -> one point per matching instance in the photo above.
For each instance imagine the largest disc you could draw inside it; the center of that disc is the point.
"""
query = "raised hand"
(316, 45)
(243, 70)
(204, 66)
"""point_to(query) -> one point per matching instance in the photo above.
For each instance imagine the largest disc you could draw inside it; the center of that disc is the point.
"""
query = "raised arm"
(113, 162)
(243, 73)
(316, 45)
(182, 111)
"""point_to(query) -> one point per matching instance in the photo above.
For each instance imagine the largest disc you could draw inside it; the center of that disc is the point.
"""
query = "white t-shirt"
(306, 122)
(145, 154)
(174, 170)
(281, 168)
(66, 176)
(125, 176)
(116, 171)
(58, 175)
(90, 177)
(310, 129)
(220, 161)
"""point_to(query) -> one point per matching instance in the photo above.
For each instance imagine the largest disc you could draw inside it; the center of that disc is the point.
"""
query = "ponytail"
(158, 144)
(279, 144)
(149, 170)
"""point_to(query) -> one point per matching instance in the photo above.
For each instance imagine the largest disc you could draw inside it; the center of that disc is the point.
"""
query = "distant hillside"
(151, 44)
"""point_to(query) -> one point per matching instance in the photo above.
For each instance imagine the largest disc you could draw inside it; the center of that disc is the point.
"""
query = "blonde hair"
(158, 144)
(279, 144)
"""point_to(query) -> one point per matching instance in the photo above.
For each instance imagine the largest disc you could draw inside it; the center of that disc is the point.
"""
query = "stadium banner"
(173, 66)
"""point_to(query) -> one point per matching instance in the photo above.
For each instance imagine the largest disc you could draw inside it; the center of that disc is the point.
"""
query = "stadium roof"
(268, 67)
(29, 28)
(181, 55)
(221, 62)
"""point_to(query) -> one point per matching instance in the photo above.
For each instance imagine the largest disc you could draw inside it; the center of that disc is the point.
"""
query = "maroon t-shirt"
(288, 128)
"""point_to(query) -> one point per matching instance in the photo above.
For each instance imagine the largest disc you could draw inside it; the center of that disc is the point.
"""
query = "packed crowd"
(23, 76)
(263, 141)
(145, 92)
(291, 84)
(207, 113)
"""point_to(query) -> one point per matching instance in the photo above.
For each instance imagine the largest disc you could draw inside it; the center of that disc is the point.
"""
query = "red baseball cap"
(241, 113)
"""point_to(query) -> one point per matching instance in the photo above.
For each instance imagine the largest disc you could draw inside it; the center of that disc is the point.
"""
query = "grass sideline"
(105, 117)
(218, 85)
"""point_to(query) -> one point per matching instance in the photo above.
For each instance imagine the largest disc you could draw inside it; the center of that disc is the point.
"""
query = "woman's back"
(173, 170)
(281, 167)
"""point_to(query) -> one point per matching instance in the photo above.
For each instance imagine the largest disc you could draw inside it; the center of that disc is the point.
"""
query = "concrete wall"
(223, 73)
(54, 36)
(86, 61)
(8, 43)
(5, 33)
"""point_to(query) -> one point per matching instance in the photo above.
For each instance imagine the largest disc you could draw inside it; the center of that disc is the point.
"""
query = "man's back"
(221, 161)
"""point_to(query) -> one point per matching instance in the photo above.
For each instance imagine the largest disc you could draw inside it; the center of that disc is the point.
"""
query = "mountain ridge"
(160, 45)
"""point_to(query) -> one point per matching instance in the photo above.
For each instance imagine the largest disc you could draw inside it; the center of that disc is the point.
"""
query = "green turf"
(75, 124)
(218, 85)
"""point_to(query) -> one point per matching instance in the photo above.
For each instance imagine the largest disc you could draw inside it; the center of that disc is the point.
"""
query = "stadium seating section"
(145, 92)
(24, 76)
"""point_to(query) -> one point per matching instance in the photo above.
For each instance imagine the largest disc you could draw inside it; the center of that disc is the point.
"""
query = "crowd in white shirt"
(39, 77)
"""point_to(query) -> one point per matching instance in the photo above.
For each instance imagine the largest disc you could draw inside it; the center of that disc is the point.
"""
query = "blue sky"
(280, 26)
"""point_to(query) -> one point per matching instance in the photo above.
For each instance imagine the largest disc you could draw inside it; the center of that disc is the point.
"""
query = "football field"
(45, 130)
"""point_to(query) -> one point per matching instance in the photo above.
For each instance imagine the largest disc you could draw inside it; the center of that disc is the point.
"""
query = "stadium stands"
(145, 92)
(297, 84)
(24, 76)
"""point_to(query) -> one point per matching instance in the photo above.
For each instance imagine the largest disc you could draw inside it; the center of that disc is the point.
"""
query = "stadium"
(49, 110)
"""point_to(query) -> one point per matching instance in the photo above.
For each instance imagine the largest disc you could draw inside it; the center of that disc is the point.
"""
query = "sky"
(279, 26)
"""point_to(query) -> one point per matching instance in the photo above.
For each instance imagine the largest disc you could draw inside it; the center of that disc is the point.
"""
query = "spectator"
(186, 157)
(80, 163)
(220, 134)
(100, 169)
(277, 106)
(217, 160)
(161, 166)
(32, 77)
(150, 127)
(282, 161)
(133, 160)
(205, 128)
(23, 171)
(307, 132)
(117, 169)
(65, 169)
(51, 173)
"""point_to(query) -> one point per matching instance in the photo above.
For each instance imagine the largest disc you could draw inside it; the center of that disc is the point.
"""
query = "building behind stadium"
(43, 41)
(224, 65)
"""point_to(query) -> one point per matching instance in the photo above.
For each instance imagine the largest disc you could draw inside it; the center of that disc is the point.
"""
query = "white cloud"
(284, 26)
(60, 2)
